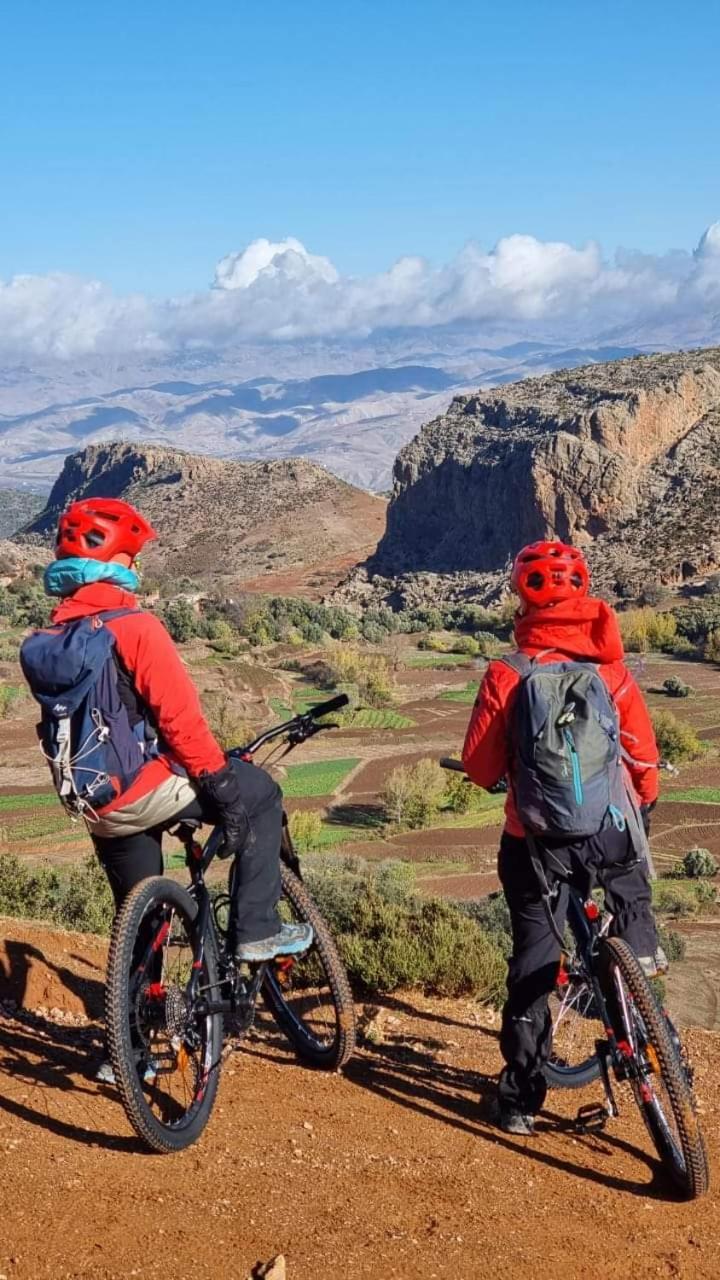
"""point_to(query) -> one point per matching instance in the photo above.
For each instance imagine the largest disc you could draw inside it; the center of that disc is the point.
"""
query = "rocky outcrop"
(222, 521)
(621, 458)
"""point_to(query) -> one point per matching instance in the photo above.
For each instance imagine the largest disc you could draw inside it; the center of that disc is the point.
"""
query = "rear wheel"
(573, 1061)
(309, 995)
(165, 1051)
(655, 1068)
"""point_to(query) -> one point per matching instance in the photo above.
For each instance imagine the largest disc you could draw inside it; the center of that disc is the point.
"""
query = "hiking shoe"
(654, 966)
(290, 940)
(106, 1075)
(517, 1123)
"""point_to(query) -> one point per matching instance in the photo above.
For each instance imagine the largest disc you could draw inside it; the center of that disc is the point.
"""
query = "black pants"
(256, 874)
(526, 1033)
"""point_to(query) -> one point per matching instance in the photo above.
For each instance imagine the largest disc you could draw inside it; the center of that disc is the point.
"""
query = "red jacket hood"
(95, 598)
(584, 628)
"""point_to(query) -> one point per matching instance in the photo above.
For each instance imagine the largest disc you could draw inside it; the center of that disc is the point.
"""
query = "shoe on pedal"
(654, 966)
(517, 1123)
(106, 1075)
(290, 940)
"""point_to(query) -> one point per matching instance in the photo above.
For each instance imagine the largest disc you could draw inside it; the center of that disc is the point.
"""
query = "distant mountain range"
(352, 420)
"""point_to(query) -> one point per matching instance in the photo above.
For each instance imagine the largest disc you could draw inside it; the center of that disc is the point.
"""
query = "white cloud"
(278, 291)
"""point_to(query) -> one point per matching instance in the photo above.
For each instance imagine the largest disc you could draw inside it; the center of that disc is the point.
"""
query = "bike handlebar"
(447, 762)
(297, 729)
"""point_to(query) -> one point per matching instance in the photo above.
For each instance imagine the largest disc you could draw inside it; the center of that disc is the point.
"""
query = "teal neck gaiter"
(65, 577)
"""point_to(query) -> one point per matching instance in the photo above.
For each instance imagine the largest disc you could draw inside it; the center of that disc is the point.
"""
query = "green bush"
(488, 644)
(673, 944)
(493, 916)
(676, 740)
(181, 620)
(645, 629)
(711, 651)
(697, 621)
(675, 688)
(10, 696)
(423, 943)
(74, 898)
(683, 648)
(305, 829)
(412, 794)
(699, 864)
(458, 796)
(466, 644)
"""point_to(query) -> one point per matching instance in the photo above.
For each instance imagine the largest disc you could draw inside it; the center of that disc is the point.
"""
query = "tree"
(413, 793)
(180, 619)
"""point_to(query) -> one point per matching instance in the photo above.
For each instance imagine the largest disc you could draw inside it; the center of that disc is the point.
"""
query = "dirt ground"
(393, 1169)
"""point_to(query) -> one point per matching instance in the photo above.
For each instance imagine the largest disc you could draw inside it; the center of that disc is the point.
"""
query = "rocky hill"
(17, 506)
(279, 526)
(622, 458)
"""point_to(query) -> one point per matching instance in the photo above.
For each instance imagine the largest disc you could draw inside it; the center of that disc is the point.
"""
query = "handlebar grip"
(327, 708)
(447, 762)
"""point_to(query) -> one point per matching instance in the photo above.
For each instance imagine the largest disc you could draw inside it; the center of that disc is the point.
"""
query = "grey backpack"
(568, 777)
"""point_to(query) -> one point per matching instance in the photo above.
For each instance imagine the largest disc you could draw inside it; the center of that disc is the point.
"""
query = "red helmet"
(546, 572)
(100, 528)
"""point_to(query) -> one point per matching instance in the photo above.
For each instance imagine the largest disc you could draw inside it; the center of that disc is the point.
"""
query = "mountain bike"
(174, 990)
(608, 1025)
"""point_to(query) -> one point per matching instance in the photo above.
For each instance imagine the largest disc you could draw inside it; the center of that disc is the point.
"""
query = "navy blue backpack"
(85, 731)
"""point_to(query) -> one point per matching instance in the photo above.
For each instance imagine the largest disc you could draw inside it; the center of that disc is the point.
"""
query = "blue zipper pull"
(574, 761)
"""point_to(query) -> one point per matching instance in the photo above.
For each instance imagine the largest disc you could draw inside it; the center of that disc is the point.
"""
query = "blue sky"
(140, 142)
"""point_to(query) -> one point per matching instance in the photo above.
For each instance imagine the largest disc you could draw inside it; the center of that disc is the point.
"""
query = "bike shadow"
(465, 1099)
(52, 1061)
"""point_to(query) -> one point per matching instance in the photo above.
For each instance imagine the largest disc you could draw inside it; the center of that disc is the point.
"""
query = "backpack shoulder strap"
(518, 662)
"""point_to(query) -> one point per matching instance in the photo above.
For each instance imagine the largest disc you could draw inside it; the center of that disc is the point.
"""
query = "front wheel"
(309, 995)
(165, 1050)
(656, 1071)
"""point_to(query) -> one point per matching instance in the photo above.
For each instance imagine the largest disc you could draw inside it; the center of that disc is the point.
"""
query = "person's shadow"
(51, 1057)
(411, 1077)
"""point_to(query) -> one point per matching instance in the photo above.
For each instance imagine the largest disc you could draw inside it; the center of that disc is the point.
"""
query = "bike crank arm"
(604, 1054)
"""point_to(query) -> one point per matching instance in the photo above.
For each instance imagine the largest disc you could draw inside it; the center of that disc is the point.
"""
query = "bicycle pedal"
(591, 1118)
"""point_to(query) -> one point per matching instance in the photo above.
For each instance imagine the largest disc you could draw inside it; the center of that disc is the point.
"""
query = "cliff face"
(233, 521)
(622, 459)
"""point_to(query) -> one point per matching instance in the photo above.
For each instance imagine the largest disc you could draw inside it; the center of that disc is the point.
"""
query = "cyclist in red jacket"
(558, 620)
(187, 774)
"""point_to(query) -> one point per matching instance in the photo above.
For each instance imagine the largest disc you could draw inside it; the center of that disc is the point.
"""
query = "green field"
(319, 779)
(692, 795)
(466, 695)
(36, 800)
(440, 660)
(375, 718)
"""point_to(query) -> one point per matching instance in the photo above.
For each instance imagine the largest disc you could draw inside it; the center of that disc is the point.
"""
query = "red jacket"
(584, 628)
(160, 678)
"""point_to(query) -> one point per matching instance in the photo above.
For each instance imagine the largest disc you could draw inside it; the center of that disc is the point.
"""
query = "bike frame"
(244, 981)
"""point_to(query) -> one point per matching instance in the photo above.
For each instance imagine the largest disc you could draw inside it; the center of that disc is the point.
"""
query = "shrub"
(420, 943)
(180, 619)
(644, 629)
(711, 651)
(698, 864)
(673, 944)
(10, 696)
(676, 740)
(74, 898)
(673, 899)
(683, 648)
(230, 726)
(222, 636)
(433, 643)
(488, 644)
(493, 916)
(413, 793)
(466, 644)
(369, 672)
(305, 829)
(458, 796)
(675, 688)
(696, 621)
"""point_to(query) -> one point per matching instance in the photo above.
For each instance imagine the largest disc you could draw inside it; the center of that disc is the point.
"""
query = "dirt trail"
(392, 1170)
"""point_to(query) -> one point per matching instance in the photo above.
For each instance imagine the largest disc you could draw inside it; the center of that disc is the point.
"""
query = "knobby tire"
(136, 909)
(692, 1175)
(309, 1048)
